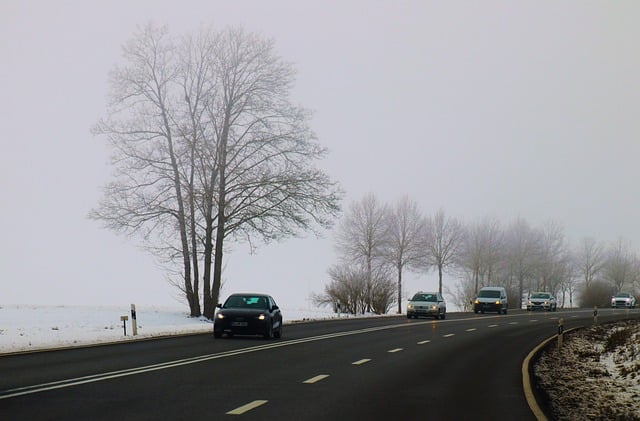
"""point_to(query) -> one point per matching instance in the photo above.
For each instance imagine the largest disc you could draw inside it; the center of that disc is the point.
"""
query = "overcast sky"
(482, 108)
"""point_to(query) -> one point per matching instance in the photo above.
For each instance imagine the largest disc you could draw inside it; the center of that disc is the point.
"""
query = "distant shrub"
(598, 294)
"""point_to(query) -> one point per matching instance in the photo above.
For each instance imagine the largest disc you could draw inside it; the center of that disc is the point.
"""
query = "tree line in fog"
(377, 243)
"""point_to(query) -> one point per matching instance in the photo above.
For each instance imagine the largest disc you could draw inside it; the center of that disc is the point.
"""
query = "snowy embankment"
(595, 375)
(31, 327)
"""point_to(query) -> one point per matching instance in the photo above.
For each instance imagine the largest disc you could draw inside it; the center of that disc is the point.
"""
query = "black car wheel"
(268, 334)
(278, 333)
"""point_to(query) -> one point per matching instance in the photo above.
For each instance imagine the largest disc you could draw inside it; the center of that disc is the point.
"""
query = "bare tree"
(619, 265)
(266, 183)
(443, 241)
(522, 253)
(346, 291)
(481, 250)
(147, 195)
(404, 248)
(362, 236)
(207, 147)
(589, 260)
(553, 258)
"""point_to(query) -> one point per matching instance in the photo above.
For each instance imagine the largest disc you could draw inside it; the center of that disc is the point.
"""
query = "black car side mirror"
(275, 308)
(219, 305)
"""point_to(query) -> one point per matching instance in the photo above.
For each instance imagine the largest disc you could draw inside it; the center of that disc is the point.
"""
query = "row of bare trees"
(376, 243)
(208, 147)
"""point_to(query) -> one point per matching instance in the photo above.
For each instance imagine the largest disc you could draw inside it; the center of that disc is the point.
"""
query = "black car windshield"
(425, 297)
(489, 293)
(247, 301)
(539, 295)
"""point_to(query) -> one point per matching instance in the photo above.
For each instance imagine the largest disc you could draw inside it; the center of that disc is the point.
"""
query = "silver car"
(542, 301)
(430, 304)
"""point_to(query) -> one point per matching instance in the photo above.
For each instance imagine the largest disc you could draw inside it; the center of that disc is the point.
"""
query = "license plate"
(239, 324)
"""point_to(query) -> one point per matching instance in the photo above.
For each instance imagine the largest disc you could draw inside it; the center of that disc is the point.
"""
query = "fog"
(503, 109)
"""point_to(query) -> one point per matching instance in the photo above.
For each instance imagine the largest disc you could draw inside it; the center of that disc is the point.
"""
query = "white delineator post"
(134, 322)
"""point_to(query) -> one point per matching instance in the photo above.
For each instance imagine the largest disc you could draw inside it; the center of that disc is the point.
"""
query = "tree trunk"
(399, 289)
(182, 223)
(212, 299)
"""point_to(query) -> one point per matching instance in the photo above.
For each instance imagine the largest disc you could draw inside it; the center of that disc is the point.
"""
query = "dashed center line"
(533, 320)
(316, 379)
(493, 325)
(448, 335)
(362, 361)
(513, 323)
(472, 329)
(394, 350)
(424, 342)
(245, 408)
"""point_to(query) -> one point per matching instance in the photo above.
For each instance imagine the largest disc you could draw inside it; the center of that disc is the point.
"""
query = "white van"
(491, 299)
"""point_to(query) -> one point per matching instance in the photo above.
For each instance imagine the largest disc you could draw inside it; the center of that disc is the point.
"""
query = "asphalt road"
(465, 367)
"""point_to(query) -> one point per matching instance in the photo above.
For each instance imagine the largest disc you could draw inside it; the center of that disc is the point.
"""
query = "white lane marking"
(316, 379)
(472, 329)
(493, 325)
(394, 350)
(513, 323)
(424, 342)
(533, 320)
(448, 335)
(245, 408)
(362, 361)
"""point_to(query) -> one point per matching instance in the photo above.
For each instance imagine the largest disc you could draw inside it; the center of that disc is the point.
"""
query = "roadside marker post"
(595, 316)
(124, 323)
(560, 333)
(134, 322)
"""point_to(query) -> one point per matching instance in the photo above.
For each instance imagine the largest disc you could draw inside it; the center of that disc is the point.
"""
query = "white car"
(430, 304)
(542, 301)
(623, 300)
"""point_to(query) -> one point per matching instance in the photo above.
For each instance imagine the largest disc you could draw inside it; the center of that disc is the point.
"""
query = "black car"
(248, 314)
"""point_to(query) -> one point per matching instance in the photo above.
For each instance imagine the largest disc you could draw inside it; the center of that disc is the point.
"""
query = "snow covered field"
(30, 327)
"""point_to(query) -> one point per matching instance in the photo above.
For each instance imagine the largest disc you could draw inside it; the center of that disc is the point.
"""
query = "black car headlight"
(220, 316)
(262, 317)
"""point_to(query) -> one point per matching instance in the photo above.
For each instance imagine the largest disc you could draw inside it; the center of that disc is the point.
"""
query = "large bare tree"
(146, 196)
(208, 146)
